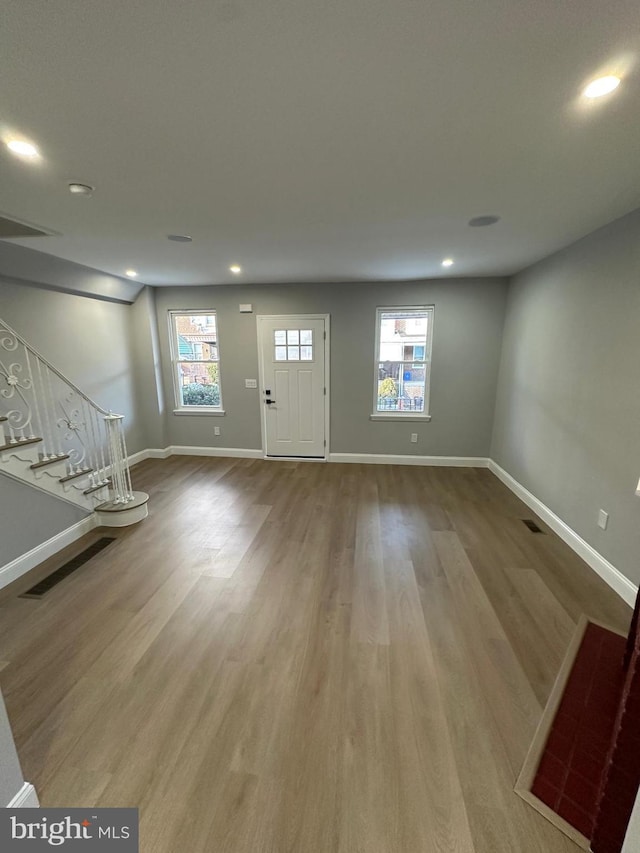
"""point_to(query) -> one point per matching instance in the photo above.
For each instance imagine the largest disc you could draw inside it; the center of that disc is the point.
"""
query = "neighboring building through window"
(403, 361)
(196, 359)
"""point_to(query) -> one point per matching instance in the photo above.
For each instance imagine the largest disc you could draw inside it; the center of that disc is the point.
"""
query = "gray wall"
(30, 265)
(30, 517)
(567, 423)
(11, 780)
(147, 369)
(89, 340)
(466, 350)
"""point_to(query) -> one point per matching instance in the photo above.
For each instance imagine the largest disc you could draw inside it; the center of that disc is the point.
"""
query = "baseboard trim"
(26, 798)
(149, 453)
(25, 562)
(363, 458)
(608, 572)
(390, 459)
(238, 452)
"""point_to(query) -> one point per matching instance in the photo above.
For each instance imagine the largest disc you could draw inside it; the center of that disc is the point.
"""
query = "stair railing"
(40, 402)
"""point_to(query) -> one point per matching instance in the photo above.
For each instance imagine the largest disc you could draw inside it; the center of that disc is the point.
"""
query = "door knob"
(269, 402)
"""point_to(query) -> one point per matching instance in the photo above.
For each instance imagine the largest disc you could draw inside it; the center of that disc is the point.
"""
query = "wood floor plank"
(237, 543)
(498, 823)
(308, 657)
(369, 624)
(424, 760)
(493, 656)
(538, 631)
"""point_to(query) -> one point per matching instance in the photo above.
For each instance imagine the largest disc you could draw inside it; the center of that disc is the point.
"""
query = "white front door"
(292, 385)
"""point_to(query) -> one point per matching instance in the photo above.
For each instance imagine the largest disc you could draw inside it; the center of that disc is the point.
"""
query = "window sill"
(201, 410)
(399, 416)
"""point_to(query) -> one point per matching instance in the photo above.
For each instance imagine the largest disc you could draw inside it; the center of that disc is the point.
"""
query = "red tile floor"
(575, 755)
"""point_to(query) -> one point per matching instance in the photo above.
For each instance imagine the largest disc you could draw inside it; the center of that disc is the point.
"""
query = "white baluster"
(36, 407)
(99, 441)
(113, 458)
(48, 440)
(104, 449)
(52, 403)
(119, 466)
(125, 464)
(87, 414)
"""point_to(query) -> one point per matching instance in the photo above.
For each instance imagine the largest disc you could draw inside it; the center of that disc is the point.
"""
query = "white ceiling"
(318, 140)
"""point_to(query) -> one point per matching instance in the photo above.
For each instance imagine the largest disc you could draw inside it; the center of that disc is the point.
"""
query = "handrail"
(70, 424)
(51, 367)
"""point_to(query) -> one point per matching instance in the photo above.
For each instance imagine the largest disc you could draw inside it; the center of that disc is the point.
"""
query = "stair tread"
(95, 488)
(15, 444)
(43, 462)
(139, 498)
(73, 476)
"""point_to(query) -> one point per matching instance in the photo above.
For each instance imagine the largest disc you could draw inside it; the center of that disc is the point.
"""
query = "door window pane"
(293, 344)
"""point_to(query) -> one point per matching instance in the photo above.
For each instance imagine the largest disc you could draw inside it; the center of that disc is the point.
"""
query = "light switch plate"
(250, 383)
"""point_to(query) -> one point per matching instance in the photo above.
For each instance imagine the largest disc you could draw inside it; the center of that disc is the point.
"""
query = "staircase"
(59, 440)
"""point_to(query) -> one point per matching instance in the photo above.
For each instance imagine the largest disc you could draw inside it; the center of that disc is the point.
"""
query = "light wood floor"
(303, 657)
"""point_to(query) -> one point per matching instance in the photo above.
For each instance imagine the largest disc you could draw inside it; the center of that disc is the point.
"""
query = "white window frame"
(409, 415)
(176, 360)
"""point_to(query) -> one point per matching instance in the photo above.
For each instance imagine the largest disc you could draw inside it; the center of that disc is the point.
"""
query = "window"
(196, 360)
(403, 361)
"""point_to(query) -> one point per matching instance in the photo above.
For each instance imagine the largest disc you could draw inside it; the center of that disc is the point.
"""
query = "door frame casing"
(327, 379)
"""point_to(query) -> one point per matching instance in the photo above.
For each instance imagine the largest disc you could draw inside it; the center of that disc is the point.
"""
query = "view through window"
(403, 356)
(196, 359)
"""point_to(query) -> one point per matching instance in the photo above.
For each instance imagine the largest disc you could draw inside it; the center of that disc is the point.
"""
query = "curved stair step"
(112, 514)
(92, 489)
(13, 445)
(43, 462)
(77, 474)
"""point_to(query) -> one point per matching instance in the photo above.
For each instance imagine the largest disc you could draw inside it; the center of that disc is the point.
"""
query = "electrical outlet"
(603, 519)
(216, 430)
(414, 438)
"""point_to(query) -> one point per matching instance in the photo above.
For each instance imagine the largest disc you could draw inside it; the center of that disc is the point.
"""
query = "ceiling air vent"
(14, 228)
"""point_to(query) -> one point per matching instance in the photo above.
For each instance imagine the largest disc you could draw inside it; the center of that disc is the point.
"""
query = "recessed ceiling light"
(448, 262)
(483, 221)
(180, 238)
(81, 189)
(131, 273)
(235, 269)
(601, 86)
(22, 148)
